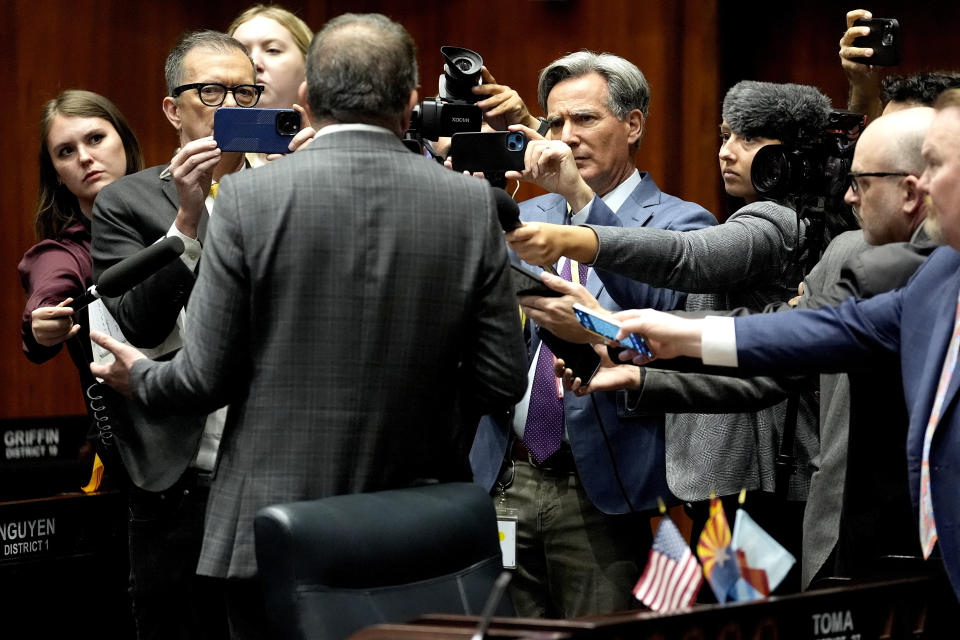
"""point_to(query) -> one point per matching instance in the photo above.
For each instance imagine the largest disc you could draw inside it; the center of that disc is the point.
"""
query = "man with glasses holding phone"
(170, 461)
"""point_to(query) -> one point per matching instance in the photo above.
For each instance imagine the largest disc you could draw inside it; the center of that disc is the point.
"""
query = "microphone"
(508, 211)
(493, 601)
(131, 271)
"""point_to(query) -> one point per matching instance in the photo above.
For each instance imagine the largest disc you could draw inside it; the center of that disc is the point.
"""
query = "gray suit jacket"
(130, 214)
(859, 501)
(355, 311)
(749, 261)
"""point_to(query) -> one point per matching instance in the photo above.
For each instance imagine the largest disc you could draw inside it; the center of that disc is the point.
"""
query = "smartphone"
(579, 358)
(884, 39)
(527, 283)
(249, 129)
(488, 150)
(608, 328)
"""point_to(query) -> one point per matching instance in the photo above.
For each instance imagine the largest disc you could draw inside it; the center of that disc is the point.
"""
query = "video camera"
(813, 174)
(454, 110)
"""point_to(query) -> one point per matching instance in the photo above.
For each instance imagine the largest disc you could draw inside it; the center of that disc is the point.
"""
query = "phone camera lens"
(887, 39)
(288, 123)
(515, 141)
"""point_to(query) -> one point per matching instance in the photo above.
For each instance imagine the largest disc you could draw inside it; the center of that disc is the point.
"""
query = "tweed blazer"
(748, 261)
(354, 309)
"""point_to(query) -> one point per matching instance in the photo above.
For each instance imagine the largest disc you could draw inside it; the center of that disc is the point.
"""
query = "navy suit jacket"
(915, 322)
(636, 441)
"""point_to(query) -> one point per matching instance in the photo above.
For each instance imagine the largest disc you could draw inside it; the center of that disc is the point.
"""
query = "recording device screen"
(255, 130)
(608, 328)
(488, 151)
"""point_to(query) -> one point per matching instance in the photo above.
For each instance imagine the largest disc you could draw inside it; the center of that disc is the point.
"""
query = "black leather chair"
(332, 566)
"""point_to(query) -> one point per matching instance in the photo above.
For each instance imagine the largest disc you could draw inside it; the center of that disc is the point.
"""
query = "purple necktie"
(543, 431)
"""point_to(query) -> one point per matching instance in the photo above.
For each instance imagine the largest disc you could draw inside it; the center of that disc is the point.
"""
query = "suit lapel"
(636, 208)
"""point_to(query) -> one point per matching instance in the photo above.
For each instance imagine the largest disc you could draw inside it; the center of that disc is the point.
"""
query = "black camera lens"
(288, 123)
(515, 141)
(461, 72)
(771, 173)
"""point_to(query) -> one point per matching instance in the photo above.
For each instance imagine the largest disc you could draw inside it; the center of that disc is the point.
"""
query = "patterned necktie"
(543, 431)
(928, 528)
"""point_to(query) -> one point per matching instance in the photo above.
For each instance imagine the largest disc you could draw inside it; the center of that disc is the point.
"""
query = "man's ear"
(303, 102)
(912, 197)
(634, 121)
(171, 109)
(408, 111)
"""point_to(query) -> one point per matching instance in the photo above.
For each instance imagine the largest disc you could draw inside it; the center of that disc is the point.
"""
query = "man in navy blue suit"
(584, 502)
(920, 323)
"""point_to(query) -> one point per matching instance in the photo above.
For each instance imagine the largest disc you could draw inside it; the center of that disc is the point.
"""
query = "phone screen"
(608, 328)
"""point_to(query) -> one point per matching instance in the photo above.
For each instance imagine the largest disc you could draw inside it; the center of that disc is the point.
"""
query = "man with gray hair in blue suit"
(583, 475)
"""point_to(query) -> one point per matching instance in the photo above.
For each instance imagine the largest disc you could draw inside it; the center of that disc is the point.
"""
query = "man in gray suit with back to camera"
(354, 309)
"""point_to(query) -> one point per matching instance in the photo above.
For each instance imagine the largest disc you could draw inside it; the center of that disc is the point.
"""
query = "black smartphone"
(884, 39)
(249, 129)
(527, 283)
(582, 359)
(488, 150)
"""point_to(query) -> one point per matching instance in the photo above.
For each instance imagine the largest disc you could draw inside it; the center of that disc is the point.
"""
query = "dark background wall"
(690, 50)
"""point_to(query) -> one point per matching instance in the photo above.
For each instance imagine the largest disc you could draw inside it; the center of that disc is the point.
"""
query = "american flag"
(672, 577)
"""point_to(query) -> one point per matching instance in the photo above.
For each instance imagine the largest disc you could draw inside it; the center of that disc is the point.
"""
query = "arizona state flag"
(719, 562)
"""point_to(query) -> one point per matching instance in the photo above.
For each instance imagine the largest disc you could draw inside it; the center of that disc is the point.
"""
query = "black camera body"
(817, 165)
(812, 174)
(454, 110)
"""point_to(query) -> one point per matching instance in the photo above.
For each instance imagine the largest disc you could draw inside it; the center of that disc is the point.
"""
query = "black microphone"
(131, 271)
(490, 607)
(508, 211)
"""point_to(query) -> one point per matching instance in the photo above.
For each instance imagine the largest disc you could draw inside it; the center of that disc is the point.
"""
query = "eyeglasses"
(855, 177)
(213, 94)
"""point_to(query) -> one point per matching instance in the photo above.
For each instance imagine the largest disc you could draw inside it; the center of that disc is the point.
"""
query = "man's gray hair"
(361, 68)
(213, 40)
(627, 88)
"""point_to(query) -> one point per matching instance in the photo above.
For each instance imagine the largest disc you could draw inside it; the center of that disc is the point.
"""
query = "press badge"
(507, 528)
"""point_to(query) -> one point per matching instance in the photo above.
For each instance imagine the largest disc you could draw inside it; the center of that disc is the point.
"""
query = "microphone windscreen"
(136, 268)
(508, 211)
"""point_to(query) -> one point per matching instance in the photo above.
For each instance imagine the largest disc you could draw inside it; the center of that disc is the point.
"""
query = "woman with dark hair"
(85, 144)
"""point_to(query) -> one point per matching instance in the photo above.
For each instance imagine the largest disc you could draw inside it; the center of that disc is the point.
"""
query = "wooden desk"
(912, 607)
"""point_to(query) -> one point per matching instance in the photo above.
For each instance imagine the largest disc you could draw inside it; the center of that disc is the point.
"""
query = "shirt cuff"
(718, 342)
(191, 247)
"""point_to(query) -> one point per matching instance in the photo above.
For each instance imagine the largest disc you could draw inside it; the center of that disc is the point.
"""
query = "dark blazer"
(636, 441)
(130, 214)
(354, 307)
(914, 323)
(859, 501)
